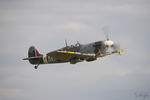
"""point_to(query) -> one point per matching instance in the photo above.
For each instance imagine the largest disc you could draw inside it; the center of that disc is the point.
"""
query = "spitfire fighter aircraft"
(74, 53)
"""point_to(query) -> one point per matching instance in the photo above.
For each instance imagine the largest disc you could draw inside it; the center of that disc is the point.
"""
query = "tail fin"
(33, 52)
(34, 56)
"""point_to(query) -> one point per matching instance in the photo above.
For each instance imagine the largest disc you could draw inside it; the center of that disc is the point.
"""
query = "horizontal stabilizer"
(31, 58)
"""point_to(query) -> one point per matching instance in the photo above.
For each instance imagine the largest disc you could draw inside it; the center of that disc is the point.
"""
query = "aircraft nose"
(109, 43)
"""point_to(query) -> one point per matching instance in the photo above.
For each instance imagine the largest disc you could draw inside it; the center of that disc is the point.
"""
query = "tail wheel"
(35, 67)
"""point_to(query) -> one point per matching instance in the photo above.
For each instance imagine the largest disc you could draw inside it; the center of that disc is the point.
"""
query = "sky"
(46, 24)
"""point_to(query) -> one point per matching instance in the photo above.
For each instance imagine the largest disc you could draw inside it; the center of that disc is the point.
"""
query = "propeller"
(106, 31)
(108, 42)
(116, 47)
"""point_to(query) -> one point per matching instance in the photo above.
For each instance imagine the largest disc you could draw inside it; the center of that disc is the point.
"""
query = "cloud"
(11, 93)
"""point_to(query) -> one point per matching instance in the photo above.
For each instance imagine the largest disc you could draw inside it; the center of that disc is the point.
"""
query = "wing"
(68, 55)
(117, 51)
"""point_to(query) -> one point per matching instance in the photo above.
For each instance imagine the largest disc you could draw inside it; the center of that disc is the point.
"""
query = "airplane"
(74, 53)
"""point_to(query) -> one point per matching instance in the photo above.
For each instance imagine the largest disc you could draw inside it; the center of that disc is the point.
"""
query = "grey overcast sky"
(47, 23)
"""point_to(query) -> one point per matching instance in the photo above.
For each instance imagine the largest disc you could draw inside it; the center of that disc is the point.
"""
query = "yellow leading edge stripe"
(75, 52)
(122, 50)
(66, 52)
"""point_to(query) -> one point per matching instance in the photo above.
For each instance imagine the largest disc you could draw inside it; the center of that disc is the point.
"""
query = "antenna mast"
(66, 43)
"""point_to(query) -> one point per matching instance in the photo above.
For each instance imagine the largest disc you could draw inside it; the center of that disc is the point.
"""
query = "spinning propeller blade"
(106, 31)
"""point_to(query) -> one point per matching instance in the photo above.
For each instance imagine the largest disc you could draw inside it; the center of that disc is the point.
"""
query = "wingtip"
(122, 50)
